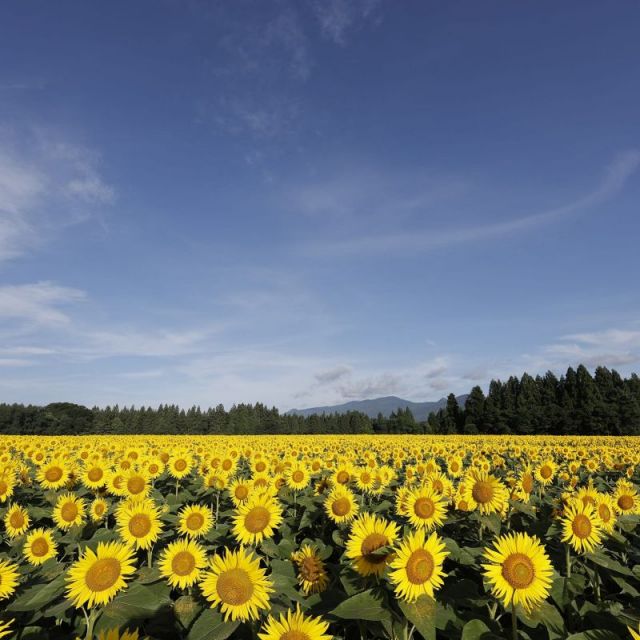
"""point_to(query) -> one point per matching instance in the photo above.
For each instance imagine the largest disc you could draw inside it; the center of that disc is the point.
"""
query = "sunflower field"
(319, 537)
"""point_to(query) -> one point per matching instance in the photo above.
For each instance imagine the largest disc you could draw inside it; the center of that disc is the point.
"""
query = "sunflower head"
(518, 570)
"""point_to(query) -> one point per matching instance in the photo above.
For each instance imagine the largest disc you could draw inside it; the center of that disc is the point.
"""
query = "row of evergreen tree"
(576, 403)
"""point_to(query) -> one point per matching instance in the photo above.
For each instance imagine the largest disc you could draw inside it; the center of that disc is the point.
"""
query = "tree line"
(576, 403)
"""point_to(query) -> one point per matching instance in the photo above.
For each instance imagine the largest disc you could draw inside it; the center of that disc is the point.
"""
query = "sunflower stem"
(514, 622)
(177, 486)
(568, 558)
(91, 620)
(150, 556)
(217, 507)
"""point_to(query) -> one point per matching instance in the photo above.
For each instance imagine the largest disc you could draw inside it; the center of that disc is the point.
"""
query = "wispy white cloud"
(39, 303)
(45, 184)
(422, 240)
(337, 17)
(331, 375)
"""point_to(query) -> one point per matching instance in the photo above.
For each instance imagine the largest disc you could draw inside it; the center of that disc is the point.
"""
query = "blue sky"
(310, 202)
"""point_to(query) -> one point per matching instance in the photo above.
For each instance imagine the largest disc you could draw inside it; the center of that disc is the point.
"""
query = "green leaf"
(599, 558)
(421, 613)
(138, 601)
(366, 605)
(211, 626)
(187, 610)
(548, 615)
(594, 634)
(476, 630)
(38, 596)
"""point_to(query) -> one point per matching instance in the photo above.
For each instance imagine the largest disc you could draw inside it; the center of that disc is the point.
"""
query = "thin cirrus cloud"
(46, 184)
(614, 179)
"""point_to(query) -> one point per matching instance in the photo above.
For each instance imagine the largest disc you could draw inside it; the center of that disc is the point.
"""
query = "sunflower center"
(102, 574)
(95, 474)
(604, 512)
(53, 474)
(257, 519)
(194, 521)
(518, 570)
(482, 492)
(260, 466)
(341, 507)
(365, 478)
(545, 471)
(372, 542)
(136, 485)
(581, 526)
(260, 482)
(625, 502)
(234, 587)
(342, 477)
(39, 547)
(437, 485)
(16, 520)
(180, 465)
(588, 500)
(241, 492)
(226, 464)
(98, 509)
(140, 525)
(154, 468)
(295, 634)
(69, 511)
(454, 466)
(183, 563)
(527, 483)
(310, 569)
(3, 487)
(424, 508)
(297, 476)
(420, 566)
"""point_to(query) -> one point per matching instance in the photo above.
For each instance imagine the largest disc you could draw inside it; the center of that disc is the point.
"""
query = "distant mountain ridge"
(385, 406)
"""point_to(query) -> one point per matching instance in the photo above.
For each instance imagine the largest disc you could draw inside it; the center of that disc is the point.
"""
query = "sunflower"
(485, 491)
(606, 512)
(455, 466)
(136, 484)
(625, 498)
(16, 521)
(545, 471)
(138, 523)
(581, 526)
(298, 477)
(257, 519)
(53, 474)
(312, 575)
(366, 547)
(114, 634)
(239, 490)
(417, 567)
(96, 577)
(195, 521)
(342, 475)
(518, 570)
(180, 466)
(425, 508)
(341, 505)
(238, 584)
(294, 626)
(98, 509)
(69, 511)
(526, 481)
(181, 563)
(365, 479)
(39, 546)
(4, 628)
(7, 485)
(94, 476)
(8, 578)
